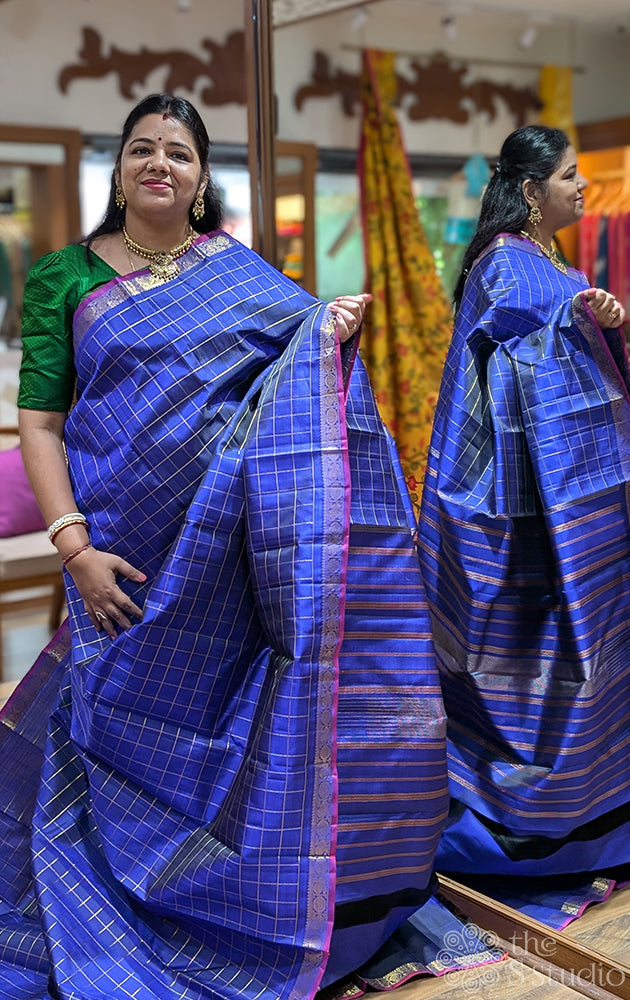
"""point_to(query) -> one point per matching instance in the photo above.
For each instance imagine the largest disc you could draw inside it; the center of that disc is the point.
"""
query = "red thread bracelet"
(77, 552)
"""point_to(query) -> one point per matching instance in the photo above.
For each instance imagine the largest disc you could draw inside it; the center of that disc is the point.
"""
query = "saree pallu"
(246, 787)
(525, 550)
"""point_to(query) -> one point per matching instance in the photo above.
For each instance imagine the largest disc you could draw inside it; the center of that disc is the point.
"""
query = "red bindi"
(159, 138)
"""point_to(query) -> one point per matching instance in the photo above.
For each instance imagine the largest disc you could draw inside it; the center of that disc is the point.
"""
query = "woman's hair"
(182, 110)
(533, 152)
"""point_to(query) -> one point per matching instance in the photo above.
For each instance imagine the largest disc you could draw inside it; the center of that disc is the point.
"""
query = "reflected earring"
(199, 209)
(535, 215)
(120, 197)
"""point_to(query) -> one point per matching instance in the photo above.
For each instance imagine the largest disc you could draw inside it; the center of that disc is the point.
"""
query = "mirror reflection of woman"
(216, 818)
(524, 539)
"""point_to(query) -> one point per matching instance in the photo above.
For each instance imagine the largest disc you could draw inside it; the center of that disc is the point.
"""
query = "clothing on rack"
(604, 234)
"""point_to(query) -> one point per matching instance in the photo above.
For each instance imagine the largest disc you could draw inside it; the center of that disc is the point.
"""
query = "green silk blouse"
(55, 286)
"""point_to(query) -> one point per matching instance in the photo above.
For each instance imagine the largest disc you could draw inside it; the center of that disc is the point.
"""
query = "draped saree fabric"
(525, 549)
(245, 788)
(408, 329)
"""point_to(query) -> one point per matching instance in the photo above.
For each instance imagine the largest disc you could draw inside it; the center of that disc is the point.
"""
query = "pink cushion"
(19, 513)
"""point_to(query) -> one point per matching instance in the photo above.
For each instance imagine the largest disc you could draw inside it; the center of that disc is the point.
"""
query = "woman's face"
(564, 201)
(159, 170)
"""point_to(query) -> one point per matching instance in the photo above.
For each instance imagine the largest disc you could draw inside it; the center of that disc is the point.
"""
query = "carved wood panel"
(223, 68)
(437, 89)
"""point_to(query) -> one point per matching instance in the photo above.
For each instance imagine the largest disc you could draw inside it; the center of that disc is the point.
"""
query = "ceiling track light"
(528, 36)
(449, 24)
(359, 19)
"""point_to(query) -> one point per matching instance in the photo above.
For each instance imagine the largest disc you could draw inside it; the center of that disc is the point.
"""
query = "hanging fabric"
(604, 234)
(407, 334)
(555, 89)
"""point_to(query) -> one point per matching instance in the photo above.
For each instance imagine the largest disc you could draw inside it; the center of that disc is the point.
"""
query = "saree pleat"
(204, 774)
(525, 552)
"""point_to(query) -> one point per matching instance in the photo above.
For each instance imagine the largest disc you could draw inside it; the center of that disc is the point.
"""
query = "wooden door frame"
(60, 227)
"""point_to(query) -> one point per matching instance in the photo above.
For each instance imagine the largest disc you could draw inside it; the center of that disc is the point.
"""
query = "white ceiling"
(583, 11)
(290, 11)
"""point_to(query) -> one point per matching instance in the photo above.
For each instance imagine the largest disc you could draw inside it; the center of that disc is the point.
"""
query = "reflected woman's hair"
(533, 152)
(185, 113)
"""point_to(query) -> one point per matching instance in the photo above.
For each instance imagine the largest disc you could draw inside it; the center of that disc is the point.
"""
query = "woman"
(218, 785)
(524, 539)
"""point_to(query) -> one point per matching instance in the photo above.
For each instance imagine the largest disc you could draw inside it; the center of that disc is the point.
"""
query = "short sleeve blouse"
(55, 286)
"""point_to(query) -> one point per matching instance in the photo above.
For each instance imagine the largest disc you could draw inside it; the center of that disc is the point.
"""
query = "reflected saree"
(241, 795)
(525, 550)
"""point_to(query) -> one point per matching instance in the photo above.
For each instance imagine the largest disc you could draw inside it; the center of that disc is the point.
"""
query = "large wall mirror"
(590, 954)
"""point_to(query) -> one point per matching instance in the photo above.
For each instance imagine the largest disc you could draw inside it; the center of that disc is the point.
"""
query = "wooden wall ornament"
(436, 90)
(224, 68)
(520, 100)
(325, 82)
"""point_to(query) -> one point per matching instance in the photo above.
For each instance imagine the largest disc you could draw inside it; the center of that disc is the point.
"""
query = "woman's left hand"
(349, 310)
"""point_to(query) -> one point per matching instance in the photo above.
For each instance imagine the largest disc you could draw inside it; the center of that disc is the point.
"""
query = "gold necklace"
(161, 262)
(552, 254)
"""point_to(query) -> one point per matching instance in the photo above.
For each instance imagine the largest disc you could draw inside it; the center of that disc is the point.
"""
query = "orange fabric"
(408, 328)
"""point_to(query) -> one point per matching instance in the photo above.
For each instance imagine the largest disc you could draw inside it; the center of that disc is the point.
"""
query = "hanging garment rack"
(467, 60)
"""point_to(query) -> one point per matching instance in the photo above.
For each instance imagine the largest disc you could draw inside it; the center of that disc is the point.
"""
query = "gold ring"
(101, 617)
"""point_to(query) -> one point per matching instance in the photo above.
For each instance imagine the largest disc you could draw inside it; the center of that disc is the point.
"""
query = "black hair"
(534, 152)
(187, 114)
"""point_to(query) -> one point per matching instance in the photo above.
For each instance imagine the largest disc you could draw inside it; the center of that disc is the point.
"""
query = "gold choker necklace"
(552, 254)
(161, 262)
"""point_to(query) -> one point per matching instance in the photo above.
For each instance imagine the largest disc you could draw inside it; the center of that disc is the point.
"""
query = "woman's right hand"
(94, 573)
(608, 312)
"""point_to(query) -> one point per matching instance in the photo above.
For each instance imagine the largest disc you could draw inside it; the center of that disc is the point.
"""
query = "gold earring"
(199, 209)
(120, 197)
(535, 215)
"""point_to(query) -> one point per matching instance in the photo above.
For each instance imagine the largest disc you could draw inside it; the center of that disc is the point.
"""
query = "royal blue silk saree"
(525, 551)
(240, 796)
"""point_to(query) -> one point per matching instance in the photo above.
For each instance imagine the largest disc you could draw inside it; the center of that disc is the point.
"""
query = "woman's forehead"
(162, 128)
